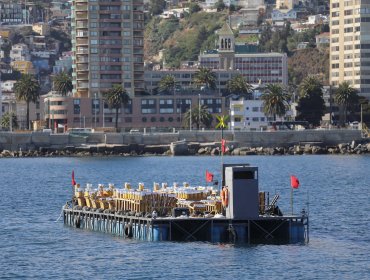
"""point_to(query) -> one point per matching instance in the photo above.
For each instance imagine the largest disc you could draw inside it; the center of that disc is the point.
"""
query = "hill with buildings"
(179, 39)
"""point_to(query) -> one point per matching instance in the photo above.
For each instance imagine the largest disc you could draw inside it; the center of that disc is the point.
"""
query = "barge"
(240, 213)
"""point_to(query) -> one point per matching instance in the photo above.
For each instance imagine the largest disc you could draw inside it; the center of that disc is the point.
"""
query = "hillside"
(307, 62)
(181, 39)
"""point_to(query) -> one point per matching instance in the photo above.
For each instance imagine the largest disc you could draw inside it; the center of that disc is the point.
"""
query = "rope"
(61, 213)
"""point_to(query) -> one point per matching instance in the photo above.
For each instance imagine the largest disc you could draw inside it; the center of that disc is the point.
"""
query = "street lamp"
(199, 111)
(95, 109)
(103, 112)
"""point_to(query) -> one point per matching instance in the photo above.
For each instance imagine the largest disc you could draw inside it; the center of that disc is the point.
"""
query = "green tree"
(194, 8)
(63, 83)
(275, 100)
(199, 115)
(116, 97)
(167, 84)
(205, 77)
(5, 120)
(346, 96)
(238, 85)
(220, 5)
(311, 105)
(156, 7)
(27, 89)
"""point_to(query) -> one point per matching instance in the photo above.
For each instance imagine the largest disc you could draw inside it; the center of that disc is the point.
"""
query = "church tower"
(226, 47)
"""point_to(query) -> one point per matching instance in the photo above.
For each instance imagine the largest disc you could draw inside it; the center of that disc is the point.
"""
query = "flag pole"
(291, 199)
(222, 160)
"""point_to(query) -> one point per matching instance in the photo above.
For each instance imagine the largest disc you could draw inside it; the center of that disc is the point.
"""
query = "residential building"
(108, 46)
(323, 40)
(286, 4)
(283, 15)
(25, 67)
(237, 3)
(20, 52)
(41, 28)
(11, 13)
(7, 86)
(63, 64)
(350, 44)
(248, 115)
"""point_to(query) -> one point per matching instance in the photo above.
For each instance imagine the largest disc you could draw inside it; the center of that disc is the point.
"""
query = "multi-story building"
(350, 44)
(159, 111)
(286, 4)
(255, 67)
(248, 115)
(11, 13)
(25, 67)
(108, 46)
(41, 28)
(20, 52)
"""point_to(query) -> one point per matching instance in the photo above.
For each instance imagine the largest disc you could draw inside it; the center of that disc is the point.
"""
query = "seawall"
(35, 141)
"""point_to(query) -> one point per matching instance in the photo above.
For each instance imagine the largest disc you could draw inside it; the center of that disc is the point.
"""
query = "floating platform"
(264, 229)
(241, 215)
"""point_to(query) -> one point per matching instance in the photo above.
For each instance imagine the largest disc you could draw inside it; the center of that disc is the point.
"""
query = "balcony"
(82, 51)
(82, 24)
(82, 34)
(82, 59)
(81, 8)
(80, 41)
(83, 77)
(82, 67)
(82, 85)
(81, 15)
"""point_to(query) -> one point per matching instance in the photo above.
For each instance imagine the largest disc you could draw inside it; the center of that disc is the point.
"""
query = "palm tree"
(238, 85)
(199, 115)
(115, 97)
(346, 96)
(7, 117)
(63, 83)
(275, 100)
(311, 105)
(167, 84)
(205, 77)
(27, 89)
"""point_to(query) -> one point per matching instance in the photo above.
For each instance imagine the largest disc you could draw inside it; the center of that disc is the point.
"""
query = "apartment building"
(350, 44)
(20, 52)
(11, 13)
(108, 46)
(286, 4)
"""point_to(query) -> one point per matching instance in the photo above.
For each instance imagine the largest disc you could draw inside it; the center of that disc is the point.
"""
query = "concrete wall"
(35, 140)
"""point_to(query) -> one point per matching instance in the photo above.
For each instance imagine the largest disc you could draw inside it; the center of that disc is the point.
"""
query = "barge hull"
(264, 229)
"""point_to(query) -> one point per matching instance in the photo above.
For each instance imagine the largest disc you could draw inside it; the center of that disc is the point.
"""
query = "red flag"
(209, 176)
(73, 178)
(223, 146)
(294, 182)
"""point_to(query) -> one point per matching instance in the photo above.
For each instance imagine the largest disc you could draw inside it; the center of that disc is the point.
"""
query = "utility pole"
(199, 112)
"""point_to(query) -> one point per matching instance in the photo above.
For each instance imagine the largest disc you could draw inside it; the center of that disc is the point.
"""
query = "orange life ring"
(225, 196)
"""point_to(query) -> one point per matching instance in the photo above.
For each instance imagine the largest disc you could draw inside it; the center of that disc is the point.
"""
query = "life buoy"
(225, 197)
(128, 230)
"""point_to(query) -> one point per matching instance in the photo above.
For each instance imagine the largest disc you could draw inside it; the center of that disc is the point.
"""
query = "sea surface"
(34, 245)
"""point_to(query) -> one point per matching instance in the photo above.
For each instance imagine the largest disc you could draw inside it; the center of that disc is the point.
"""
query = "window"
(95, 103)
(76, 106)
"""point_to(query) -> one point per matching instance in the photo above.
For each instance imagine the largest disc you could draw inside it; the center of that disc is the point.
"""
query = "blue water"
(34, 246)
